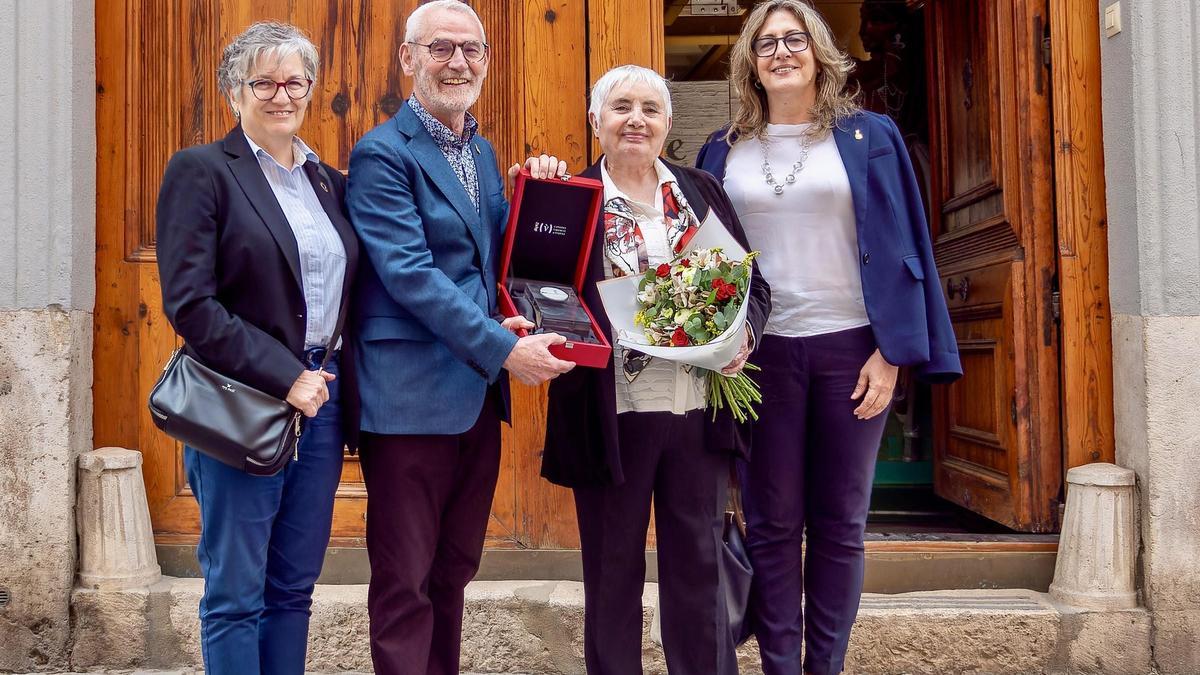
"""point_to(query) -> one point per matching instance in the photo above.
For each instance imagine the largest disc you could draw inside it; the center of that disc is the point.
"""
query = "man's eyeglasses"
(265, 90)
(443, 50)
(796, 42)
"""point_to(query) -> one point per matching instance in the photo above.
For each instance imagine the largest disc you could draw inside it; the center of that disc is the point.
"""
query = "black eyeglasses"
(443, 50)
(265, 90)
(796, 42)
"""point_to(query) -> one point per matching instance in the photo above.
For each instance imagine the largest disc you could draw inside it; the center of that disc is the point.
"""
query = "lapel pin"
(324, 186)
(858, 134)
(477, 150)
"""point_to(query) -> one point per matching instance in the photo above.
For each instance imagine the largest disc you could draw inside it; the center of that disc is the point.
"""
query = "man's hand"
(531, 362)
(309, 393)
(516, 324)
(544, 166)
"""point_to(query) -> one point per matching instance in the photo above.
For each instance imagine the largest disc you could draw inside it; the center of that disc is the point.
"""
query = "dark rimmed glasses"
(265, 90)
(443, 50)
(796, 42)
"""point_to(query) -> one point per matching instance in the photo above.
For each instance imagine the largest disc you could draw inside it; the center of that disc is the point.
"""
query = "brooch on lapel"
(858, 134)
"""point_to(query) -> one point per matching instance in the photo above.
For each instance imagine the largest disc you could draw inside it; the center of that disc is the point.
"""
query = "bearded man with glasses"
(427, 200)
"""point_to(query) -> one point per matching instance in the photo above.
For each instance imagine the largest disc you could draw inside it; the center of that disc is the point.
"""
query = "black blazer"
(581, 427)
(229, 267)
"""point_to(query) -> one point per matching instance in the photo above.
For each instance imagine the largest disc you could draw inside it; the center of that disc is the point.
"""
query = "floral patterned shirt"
(456, 148)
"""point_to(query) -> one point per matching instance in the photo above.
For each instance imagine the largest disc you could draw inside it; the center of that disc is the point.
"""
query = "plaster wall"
(47, 291)
(1151, 108)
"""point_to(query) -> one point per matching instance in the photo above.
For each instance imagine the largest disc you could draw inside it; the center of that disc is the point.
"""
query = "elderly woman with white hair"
(256, 255)
(637, 432)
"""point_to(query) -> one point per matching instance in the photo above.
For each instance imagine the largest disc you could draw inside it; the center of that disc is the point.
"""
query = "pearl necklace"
(797, 167)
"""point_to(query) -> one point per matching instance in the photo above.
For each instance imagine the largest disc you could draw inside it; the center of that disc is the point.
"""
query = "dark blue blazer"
(900, 282)
(229, 267)
(426, 345)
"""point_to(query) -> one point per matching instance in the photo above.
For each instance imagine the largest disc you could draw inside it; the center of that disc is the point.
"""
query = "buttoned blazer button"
(866, 258)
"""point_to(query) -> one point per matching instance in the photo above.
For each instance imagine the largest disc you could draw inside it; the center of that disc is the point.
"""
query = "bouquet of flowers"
(691, 310)
(693, 301)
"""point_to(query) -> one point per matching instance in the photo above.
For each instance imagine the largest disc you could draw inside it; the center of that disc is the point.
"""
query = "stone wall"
(47, 279)
(698, 109)
(1151, 108)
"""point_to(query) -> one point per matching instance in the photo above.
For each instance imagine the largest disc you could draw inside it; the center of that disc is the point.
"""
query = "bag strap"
(735, 496)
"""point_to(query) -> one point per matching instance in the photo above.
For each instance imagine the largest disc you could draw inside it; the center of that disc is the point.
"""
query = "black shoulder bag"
(227, 420)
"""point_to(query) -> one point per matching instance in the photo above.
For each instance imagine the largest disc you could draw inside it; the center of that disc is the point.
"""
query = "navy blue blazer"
(426, 345)
(229, 267)
(900, 283)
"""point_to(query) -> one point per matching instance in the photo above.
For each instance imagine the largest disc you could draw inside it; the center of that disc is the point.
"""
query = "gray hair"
(627, 75)
(270, 39)
(415, 28)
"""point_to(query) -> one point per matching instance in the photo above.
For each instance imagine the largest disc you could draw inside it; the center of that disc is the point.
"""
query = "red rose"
(679, 338)
(685, 262)
(724, 291)
(663, 270)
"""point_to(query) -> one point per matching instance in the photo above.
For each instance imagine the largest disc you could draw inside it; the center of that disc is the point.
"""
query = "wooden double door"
(156, 93)
(1004, 222)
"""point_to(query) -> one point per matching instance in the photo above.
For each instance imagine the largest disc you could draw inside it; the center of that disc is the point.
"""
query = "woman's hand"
(516, 324)
(309, 392)
(877, 380)
(739, 360)
(543, 166)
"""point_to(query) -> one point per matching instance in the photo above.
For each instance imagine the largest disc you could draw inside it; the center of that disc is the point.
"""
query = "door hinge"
(1046, 51)
(1013, 409)
(1056, 305)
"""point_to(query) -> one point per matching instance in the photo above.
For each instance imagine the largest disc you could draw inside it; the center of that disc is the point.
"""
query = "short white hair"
(415, 28)
(627, 75)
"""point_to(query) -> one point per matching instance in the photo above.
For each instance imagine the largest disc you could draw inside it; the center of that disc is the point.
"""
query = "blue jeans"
(262, 543)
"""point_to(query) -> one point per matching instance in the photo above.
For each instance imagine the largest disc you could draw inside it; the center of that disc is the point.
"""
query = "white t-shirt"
(806, 236)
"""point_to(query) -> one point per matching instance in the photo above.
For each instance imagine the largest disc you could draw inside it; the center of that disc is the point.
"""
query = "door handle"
(962, 288)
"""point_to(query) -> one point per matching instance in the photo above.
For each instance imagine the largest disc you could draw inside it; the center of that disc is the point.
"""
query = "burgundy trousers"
(809, 479)
(429, 498)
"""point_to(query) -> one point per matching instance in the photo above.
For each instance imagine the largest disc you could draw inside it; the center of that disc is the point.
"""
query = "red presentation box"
(551, 228)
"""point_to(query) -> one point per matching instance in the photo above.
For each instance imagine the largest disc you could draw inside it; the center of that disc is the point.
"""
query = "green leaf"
(720, 322)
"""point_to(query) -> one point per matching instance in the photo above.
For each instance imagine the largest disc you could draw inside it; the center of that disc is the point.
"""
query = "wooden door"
(997, 429)
(156, 93)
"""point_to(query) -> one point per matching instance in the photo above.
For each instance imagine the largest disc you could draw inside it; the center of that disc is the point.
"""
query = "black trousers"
(665, 460)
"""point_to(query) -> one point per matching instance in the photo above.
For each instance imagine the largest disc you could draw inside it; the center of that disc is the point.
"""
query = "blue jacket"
(900, 283)
(426, 345)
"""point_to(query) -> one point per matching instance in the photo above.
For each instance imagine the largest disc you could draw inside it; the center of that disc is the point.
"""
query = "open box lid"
(551, 225)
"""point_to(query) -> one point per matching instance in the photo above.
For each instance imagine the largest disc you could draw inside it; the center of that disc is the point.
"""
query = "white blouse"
(647, 384)
(807, 235)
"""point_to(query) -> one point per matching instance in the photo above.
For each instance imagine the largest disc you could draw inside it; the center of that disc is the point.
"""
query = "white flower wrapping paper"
(619, 297)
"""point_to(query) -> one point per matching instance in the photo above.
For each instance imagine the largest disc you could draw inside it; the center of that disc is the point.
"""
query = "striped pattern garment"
(322, 254)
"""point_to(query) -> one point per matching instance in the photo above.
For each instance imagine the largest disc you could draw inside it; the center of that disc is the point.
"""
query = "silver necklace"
(797, 167)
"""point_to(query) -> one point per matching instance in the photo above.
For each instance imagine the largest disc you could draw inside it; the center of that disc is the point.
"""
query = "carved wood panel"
(997, 447)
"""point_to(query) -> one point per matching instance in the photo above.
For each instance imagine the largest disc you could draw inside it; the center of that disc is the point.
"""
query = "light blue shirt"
(322, 255)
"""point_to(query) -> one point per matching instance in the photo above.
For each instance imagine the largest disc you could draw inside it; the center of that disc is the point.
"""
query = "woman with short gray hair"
(636, 432)
(255, 256)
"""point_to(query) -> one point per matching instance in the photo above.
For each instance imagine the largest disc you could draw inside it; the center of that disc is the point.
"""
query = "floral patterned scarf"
(623, 243)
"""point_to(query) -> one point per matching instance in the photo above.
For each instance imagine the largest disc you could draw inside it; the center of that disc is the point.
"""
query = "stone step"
(537, 627)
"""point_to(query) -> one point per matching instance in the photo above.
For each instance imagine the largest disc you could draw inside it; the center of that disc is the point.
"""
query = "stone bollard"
(1097, 551)
(116, 542)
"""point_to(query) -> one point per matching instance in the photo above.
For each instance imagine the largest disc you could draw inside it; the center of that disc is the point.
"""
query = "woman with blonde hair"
(827, 193)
